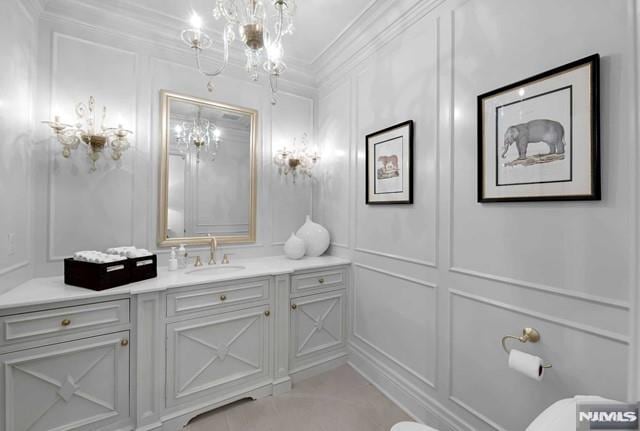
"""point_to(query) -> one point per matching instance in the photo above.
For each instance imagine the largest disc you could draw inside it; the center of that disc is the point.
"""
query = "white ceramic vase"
(294, 248)
(316, 238)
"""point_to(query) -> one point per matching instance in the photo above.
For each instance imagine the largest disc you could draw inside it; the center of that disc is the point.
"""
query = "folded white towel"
(132, 254)
(121, 251)
(114, 254)
(129, 251)
(96, 257)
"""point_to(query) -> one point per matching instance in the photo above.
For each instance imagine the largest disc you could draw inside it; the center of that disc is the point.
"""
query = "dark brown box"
(96, 276)
(143, 268)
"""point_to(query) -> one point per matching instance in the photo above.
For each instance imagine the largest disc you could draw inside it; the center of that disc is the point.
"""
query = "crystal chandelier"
(296, 161)
(261, 29)
(95, 139)
(199, 134)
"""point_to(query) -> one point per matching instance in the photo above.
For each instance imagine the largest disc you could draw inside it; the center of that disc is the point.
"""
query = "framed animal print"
(389, 165)
(538, 139)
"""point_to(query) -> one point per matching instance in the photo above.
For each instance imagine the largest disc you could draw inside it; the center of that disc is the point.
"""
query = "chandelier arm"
(273, 82)
(219, 70)
(230, 17)
(279, 32)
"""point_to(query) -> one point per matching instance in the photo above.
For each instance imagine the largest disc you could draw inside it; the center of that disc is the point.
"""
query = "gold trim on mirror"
(163, 240)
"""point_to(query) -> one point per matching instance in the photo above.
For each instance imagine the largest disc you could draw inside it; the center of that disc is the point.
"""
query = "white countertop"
(52, 289)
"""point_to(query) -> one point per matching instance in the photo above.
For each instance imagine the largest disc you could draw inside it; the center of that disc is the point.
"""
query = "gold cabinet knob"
(321, 280)
(124, 342)
(267, 313)
(294, 306)
(66, 322)
(223, 297)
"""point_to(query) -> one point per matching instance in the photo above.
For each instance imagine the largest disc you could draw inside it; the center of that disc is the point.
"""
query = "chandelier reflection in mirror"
(96, 139)
(261, 29)
(297, 161)
(199, 135)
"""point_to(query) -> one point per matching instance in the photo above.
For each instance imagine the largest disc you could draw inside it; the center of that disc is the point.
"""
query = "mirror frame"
(166, 97)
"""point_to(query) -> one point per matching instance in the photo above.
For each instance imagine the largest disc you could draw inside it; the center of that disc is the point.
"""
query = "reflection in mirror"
(208, 171)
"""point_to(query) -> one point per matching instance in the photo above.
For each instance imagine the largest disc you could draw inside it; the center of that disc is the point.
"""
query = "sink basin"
(212, 270)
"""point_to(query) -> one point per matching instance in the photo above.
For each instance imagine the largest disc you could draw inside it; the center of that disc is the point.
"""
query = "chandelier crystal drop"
(199, 135)
(86, 131)
(261, 29)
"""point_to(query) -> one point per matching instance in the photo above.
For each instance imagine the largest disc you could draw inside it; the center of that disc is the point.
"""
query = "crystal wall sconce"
(95, 139)
(297, 161)
(199, 135)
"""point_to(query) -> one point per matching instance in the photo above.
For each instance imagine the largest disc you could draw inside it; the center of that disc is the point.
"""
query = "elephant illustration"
(548, 131)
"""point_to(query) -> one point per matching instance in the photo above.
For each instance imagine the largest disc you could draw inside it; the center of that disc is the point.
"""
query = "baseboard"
(420, 406)
(156, 426)
(282, 386)
(318, 367)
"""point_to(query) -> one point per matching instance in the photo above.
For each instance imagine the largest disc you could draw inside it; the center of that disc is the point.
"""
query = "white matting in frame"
(389, 176)
(538, 138)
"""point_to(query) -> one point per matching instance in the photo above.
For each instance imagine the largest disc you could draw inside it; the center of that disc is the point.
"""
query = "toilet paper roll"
(529, 365)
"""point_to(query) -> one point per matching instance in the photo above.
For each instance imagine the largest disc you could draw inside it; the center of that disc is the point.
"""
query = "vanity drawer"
(59, 321)
(313, 282)
(216, 295)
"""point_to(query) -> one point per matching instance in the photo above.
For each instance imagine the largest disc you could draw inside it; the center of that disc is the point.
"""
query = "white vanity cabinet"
(219, 339)
(54, 384)
(318, 318)
(217, 354)
(153, 355)
(217, 296)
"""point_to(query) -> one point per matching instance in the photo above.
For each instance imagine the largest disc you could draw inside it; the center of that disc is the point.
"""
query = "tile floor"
(339, 400)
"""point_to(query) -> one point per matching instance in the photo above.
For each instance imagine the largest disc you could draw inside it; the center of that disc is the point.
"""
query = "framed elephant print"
(389, 165)
(538, 139)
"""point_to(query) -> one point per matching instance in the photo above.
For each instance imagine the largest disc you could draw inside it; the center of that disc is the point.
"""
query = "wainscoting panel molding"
(373, 326)
(118, 204)
(18, 30)
(82, 202)
(567, 269)
(561, 344)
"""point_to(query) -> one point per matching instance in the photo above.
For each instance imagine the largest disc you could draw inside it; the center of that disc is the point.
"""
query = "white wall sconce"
(85, 131)
(297, 161)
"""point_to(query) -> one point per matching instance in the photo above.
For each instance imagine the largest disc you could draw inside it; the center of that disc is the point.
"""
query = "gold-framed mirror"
(207, 171)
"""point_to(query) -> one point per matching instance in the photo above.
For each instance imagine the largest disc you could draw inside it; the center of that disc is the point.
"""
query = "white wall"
(439, 282)
(17, 54)
(124, 65)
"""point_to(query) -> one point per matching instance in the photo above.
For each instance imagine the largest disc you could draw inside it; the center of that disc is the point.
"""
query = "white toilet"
(411, 426)
(559, 416)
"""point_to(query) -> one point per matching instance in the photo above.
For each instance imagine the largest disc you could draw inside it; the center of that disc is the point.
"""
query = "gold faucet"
(213, 245)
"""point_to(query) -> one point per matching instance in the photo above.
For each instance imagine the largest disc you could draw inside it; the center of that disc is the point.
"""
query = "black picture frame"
(593, 62)
(409, 199)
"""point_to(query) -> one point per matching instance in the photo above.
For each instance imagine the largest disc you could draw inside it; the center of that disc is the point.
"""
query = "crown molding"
(33, 7)
(344, 31)
(156, 18)
(156, 29)
(376, 26)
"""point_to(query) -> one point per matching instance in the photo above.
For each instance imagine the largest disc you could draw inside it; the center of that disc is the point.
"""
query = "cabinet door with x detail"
(317, 326)
(78, 385)
(217, 353)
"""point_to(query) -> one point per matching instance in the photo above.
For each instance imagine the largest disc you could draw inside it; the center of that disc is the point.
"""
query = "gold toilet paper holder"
(528, 334)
